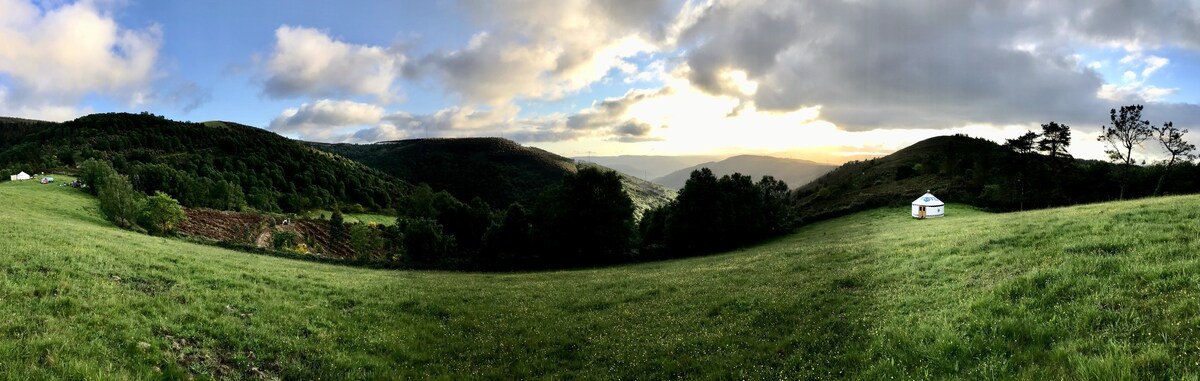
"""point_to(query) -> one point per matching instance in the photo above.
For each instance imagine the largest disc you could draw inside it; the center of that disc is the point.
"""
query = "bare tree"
(1128, 130)
(1173, 142)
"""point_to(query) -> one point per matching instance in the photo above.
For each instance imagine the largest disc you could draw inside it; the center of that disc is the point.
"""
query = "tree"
(1055, 140)
(510, 242)
(161, 214)
(586, 220)
(1023, 144)
(338, 234)
(94, 172)
(1128, 130)
(119, 202)
(1173, 142)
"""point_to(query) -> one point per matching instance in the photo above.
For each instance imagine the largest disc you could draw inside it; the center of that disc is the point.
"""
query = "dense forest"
(218, 165)
(496, 170)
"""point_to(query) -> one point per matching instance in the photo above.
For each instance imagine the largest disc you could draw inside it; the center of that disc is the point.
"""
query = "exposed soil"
(259, 230)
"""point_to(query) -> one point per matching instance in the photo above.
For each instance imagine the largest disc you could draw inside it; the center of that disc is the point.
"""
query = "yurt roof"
(928, 200)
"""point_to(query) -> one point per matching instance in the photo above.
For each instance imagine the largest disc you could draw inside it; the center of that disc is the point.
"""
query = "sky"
(828, 80)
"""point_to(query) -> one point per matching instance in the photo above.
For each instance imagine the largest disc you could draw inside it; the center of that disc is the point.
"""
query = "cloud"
(547, 50)
(883, 64)
(55, 57)
(381, 133)
(323, 119)
(611, 110)
(307, 62)
(634, 131)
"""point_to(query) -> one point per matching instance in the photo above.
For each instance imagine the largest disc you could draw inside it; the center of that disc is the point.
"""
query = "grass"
(1105, 291)
(365, 218)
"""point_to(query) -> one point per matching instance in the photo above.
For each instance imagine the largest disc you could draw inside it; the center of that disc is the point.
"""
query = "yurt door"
(921, 212)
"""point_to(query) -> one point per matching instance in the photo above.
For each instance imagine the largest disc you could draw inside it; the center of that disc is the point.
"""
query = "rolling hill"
(649, 166)
(980, 172)
(794, 172)
(499, 171)
(1096, 291)
(221, 165)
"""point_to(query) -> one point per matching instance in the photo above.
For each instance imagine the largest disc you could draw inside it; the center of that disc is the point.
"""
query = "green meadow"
(366, 218)
(1103, 291)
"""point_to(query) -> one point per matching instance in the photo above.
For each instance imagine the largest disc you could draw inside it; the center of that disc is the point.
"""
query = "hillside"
(1098, 291)
(645, 195)
(217, 164)
(794, 172)
(649, 166)
(499, 171)
(982, 173)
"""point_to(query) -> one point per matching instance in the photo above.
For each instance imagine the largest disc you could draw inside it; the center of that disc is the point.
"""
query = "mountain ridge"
(794, 172)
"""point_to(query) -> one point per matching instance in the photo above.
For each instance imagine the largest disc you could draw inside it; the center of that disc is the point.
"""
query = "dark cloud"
(634, 128)
(611, 111)
(916, 64)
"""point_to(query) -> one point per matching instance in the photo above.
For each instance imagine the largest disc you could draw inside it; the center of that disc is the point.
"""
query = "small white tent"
(22, 176)
(928, 206)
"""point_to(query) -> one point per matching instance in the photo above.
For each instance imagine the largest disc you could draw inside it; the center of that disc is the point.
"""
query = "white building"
(20, 176)
(928, 206)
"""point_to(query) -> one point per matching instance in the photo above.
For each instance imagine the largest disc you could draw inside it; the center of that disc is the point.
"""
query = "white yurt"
(22, 176)
(928, 206)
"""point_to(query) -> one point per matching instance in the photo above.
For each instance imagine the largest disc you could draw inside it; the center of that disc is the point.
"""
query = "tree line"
(1126, 131)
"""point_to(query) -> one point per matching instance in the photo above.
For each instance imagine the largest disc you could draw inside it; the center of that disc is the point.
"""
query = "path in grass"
(1095, 291)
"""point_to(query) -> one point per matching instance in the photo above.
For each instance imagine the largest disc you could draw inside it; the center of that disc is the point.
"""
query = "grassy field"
(1106, 291)
(365, 218)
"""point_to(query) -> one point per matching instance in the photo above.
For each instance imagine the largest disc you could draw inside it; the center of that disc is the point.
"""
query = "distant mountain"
(499, 171)
(794, 172)
(649, 166)
(646, 195)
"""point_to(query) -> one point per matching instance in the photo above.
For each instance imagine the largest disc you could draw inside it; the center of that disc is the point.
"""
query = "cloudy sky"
(822, 79)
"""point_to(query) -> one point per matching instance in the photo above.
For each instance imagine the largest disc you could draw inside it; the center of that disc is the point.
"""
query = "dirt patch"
(151, 285)
(259, 229)
(224, 226)
(191, 355)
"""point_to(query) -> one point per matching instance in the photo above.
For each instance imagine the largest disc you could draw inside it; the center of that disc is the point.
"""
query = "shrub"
(161, 214)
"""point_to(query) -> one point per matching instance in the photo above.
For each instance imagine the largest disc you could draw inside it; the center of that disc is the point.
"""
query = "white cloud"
(381, 133)
(325, 118)
(547, 50)
(1153, 63)
(55, 57)
(307, 62)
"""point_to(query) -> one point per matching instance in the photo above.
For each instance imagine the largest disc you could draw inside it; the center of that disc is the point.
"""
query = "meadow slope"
(1100, 291)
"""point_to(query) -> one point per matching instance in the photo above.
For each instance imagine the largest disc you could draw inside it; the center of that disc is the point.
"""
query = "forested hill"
(216, 164)
(980, 172)
(498, 171)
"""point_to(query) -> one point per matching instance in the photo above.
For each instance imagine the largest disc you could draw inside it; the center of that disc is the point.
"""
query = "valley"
(1055, 293)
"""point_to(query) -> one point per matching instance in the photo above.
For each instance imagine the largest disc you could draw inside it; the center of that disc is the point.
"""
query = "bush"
(283, 240)
(161, 214)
